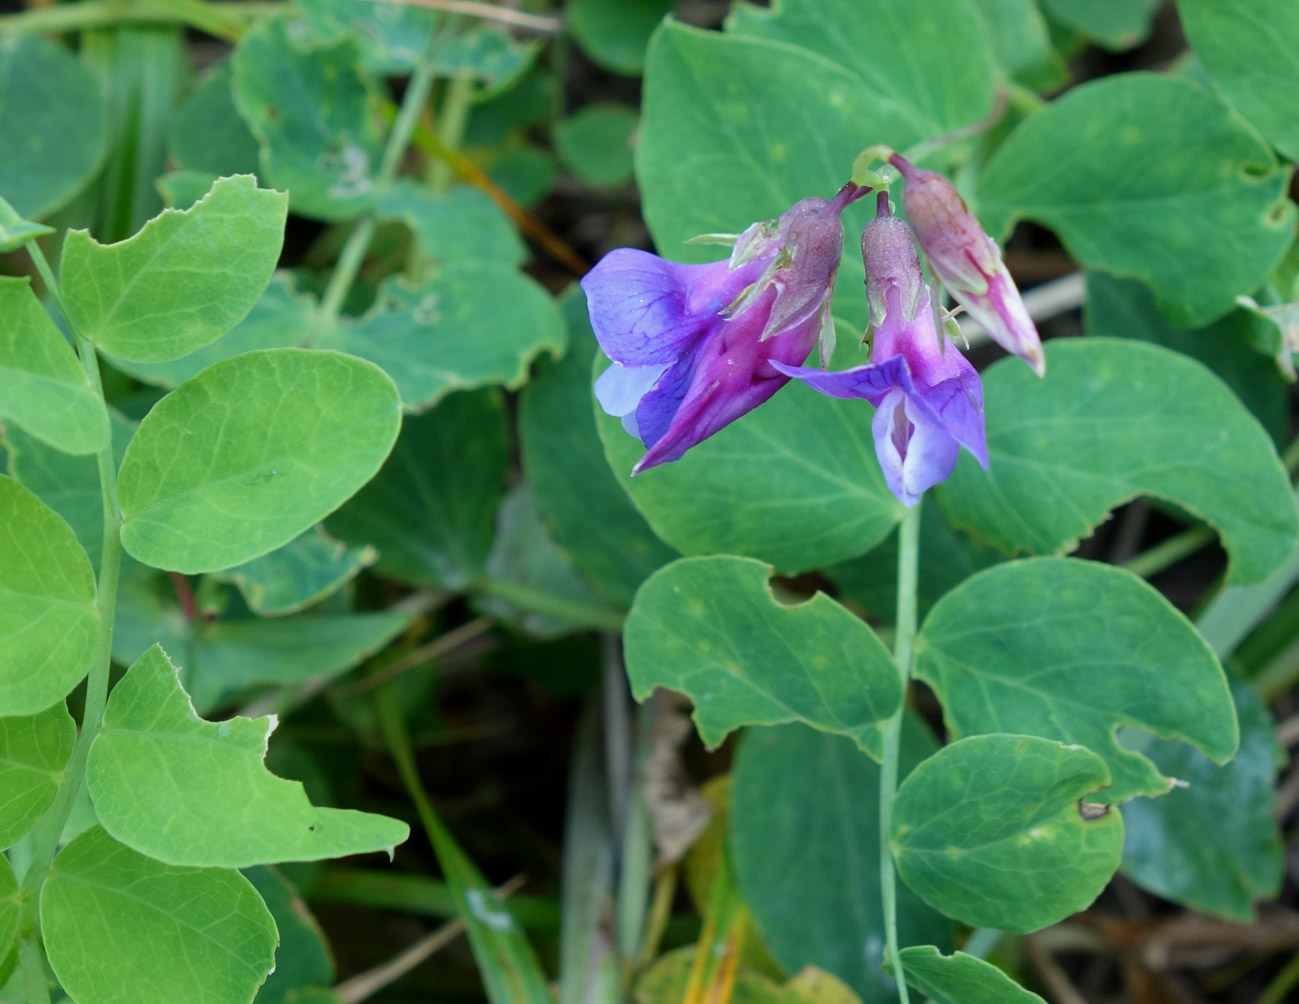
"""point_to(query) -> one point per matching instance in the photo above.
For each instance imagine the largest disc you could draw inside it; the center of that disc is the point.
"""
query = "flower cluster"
(694, 347)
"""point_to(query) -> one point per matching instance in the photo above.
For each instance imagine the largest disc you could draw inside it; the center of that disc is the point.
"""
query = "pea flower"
(968, 262)
(694, 347)
(927, 396)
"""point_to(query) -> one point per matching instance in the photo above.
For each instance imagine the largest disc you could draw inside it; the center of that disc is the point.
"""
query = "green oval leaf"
(120, 928)
(805, 845)
(43, 387)
(470, 324)
(1111, 421)
(183, 281)
(1201, 225)
(712, 629)
(313, 113)
(52, 118)
(1248, 50)
(33, 752)
(190, 792)
(990, 830)
(1116, 24)
(1070, 650)
(207, 135)
(460, 225)
(878, 41)
(250, 453)
(302, 958)
(960, 979)
(49, 619)
(1212, 843)
(302, 572)
(10, 907)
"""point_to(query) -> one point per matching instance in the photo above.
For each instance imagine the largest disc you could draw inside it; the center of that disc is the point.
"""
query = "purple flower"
(968, 262)
(694, 347)
(927, 396)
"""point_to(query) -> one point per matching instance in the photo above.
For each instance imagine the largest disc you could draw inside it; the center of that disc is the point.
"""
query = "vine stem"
(358, 241)
(44, 840)
(908, 562)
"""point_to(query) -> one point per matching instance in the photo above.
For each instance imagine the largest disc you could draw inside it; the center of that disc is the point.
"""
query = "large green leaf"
(190, 792)
(33, 752)
(302, 572)
(615, 33)
(460, 225)
(281, 318)
(594, 522)
(469, 324)
(991, 830)
(1116, 24)
(1021, 42)
(53, 123)
(120, 928)
(183, 280)
(1248, 50)
(1211, 844)
(805, 845)
(960, 979)
(712, 629)
(1070, 650)
(1191, 201)
(313, 112)
(390, 36)
(49, 619)
(250, 453)
(878, 41)
(43, 387)
(1111, 421)
(1123, 308)
(69, 485)
(431, 511)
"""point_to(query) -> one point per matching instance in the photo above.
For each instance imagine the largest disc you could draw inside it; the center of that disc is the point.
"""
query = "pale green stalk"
(908, 555)
(44, 839)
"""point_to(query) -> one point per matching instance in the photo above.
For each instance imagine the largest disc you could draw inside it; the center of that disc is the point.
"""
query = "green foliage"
(805, 844)
(595, 143)
(33, 752)
(1113, 420)
(181, 282)
(1198, 228)
(460, 225)
(250, 453)
(1212, 842)
(49, 620)
(302, 958)
(1115, 24)
(43, 387)
(302, 572)
(190, 792)
(713, 629)
(207, 134)
(1021, 41)
(52, 118)
(961, 979)
(615, 33)
(991, 830)
(1070, 650)
(1247, 49)
(121, 928)
(311, 108)
(9, 904)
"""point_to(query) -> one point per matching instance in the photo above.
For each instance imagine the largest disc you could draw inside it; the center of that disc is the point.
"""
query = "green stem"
(223, 20)
(541, 601)
(451, 127)
(908, 562)
(44, 840)
(1169, 552)
(358, 241)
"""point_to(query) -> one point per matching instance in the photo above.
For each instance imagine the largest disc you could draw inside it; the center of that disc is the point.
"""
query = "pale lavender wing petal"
(619, 389)
(646, 311)
(957, 405)
(656, 410)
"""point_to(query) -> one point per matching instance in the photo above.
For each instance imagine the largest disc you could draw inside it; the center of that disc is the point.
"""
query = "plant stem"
(222, 20)
(541, 601)
(908, 562)
(358, 241)
(45, 835)
(1169, 552)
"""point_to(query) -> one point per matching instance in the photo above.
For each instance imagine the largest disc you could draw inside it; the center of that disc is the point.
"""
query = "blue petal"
(871, 382)
(619, 389)
(915, 453)
(646, 311)
(657, 408)
(957, 405)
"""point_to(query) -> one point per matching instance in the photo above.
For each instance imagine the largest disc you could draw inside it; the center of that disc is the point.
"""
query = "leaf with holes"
(712, 629)
(991, 831)
(1111, 421)
(1071, 650)
(190, 792)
